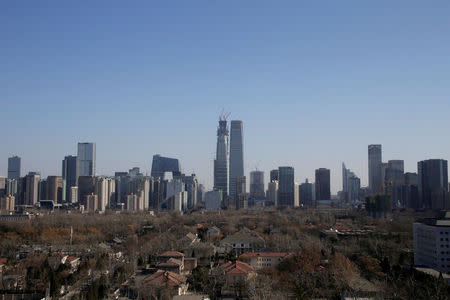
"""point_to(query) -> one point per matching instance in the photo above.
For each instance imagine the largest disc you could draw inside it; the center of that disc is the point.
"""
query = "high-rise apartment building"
(69, 173)
(307, 193)
(86, 159)
(54, 189)
(14, 167)
(323, 184)
(31, 196)
(236, 155)
(375, 172)
(272, 195)
(351, 185)
(191, 186)
(433, 183)
(221, 163)
(257, 190)
(241, 193)
(286, 186)
(7, 203)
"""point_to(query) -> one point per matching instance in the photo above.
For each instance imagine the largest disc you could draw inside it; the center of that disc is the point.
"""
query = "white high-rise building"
(86, 159)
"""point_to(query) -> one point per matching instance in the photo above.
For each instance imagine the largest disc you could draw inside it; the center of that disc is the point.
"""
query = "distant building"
(161, 165)
(73, 198)
(375, 173)
(432, 243)
(213, 200)
(7, 203)
(351, 186)
(221, 163)
(86, 159)
(257, 190)
(132, 203)
(274, 175)
(323, 184)
(32, 188)
(307, 192)
(11, 187)
(410, 191)
(241, 193)
(433, 184)
(91, 203)
(263, 260)
(191, 187)
(140, 187)
(394, 180)
(86, 187)
(69, 173)
(55, 189)
(272, 195)
(105, 189)
(14, 167)
(236, 156)
(2, 186)
(286, 187)
(176, 196)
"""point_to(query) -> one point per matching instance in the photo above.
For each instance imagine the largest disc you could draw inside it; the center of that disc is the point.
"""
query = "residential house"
(262, 260)
(165, 279)
(242, 242)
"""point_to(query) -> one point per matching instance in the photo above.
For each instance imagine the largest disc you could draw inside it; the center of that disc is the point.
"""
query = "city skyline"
(314, 84)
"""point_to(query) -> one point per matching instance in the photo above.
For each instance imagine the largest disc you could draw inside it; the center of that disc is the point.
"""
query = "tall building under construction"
(221, 163)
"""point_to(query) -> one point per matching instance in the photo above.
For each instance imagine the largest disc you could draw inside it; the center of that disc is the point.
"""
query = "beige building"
(7, 203)
(262, 260)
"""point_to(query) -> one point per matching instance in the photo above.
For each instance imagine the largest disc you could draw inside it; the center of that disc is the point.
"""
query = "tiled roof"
(71, 259)
(171, 254)
(3, 261)
(264, 254)
(164, 278)
(172, 262)
(237, 267)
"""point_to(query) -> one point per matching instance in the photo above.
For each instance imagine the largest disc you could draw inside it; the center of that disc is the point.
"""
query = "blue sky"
(314, 82)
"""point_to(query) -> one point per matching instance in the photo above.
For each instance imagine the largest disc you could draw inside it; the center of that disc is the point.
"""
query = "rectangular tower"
(236, 155)
(286, 186)
(375, 172)
(69, 173)
(86, 159)
(433, 183)
(323, 184)
(14, 167)
(221, 163)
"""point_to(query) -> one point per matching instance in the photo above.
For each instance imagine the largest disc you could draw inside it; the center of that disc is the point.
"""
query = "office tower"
(274, 175)
(351, 185)
(236, 156)
(307, 193)
(433, 183)
(2, 186)
(54, 189)
(410, 192)
(42, 188)
(221, 164)
(323, 184)
(69, 173)
(156, 194)
(86, 159)
(91, 203)
(375, 176)
(191, 186)
(73, 197)
(241, 193)
(86, 187)
(31, 196)
(14, 167)
(213, 200)
(272, 195)
(286, 186)
(176, 196)
(7, 203)
(200, 194)
(394, 179)
(161, 164)
(257, 185)
(384, 167)
(122, 180)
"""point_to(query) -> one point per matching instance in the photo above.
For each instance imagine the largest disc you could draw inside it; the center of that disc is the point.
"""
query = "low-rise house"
(165, 256)
(188, 240)
(242, 242)
(236, 275)
(202, 252)
(3, 262)
(172, 265)
(59, 259)
(189, 265)
(165, 279)
(262, 260)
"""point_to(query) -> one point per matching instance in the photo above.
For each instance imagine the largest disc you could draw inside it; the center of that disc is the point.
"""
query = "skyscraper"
(307, 193)
(257, 184)
(323, 184)
(69, 173)
(274, 175)
(221, 163)
(433, 183)
(161, 165)
(375, 172)
(241, 193)
(286, 186)
(86, 159)
(14, 167)
(351, 185)
(236, 155)
(54, 188)
(394, 180)
(31, 196)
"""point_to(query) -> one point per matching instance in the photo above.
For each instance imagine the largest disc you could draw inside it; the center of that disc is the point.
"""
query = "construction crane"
(224, 116)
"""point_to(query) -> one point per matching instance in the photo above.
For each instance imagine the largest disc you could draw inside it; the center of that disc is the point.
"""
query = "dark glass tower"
(236, 156)
(221, 163)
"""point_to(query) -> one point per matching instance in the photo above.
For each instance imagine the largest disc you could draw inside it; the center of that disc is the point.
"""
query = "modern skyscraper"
(394, 180)
(323, 184)
(241, 193)
(236, 155)
(69, 173)
(191, 186)
(274, 175)
(433, 183)
(161, 165)
(14, 167)
(351, 185)
(307, 193)
(286, 186)
(375, 172)
(273, 192)
(86, 159)
(221, 163)
(86, 187)
(257, 185)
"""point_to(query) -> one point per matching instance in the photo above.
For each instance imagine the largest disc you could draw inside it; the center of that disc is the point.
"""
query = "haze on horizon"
(314, 83)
